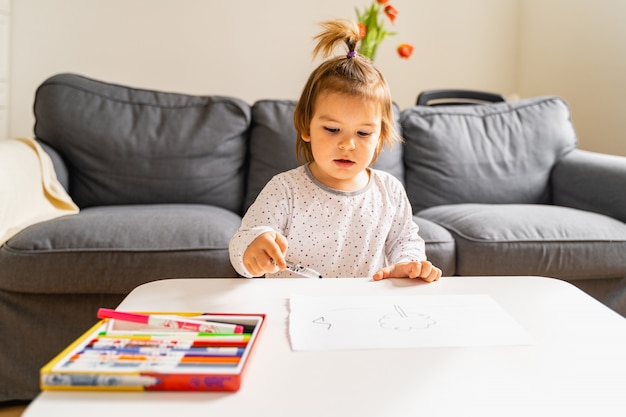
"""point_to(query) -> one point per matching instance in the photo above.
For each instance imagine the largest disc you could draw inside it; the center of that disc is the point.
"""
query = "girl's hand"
(266, 254)
(416, 269)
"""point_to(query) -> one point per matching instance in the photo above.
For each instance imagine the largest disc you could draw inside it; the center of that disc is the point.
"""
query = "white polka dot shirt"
(339, 234)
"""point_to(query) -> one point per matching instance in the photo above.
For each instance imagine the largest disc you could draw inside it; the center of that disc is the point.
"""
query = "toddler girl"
(336, 214)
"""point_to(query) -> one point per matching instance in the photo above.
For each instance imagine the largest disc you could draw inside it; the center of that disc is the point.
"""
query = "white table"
(577, 366)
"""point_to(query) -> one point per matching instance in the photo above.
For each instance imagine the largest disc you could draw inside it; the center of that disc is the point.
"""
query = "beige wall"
(249, 49)
(255, 49)
(577, 49)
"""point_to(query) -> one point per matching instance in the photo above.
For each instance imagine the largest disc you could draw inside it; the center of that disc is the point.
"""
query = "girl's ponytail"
(335, 32)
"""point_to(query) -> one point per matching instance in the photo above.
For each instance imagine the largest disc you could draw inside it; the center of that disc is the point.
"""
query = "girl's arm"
(404, 243)
(405, 248)
(267, 217)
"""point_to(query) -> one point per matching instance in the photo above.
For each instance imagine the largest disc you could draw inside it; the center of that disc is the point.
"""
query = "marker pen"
(163, 351)
(303, 270)
(171, 322)
(99, 380)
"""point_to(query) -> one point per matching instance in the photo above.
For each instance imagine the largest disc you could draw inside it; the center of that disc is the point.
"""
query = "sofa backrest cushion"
(492, 153)
(273, 146)
(130, 146)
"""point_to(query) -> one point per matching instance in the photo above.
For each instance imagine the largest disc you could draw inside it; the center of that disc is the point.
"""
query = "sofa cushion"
(492, 153)
(528, 239)
(129, 146)
(273, 146)
(114, 249)
(440, 245)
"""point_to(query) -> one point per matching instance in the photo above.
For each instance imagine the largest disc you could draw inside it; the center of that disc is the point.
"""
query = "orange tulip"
(362, 30)
(405, 50)
(391, 12)
(372, 28)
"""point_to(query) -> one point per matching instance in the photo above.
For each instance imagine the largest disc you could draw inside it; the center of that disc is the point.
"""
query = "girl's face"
(344, 135)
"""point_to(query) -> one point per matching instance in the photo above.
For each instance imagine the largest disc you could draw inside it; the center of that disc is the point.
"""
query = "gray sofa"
(162, 181)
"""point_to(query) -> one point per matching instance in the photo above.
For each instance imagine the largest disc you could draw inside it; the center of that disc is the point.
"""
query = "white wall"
(577, 49)
(254, 49)
(4, 66)
(249, 49)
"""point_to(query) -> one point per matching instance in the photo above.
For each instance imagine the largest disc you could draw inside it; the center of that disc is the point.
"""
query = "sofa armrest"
(591, 181)
(60, 167)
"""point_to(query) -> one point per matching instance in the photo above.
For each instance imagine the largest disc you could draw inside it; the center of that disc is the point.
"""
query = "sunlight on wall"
(248, 49)
(255, 50)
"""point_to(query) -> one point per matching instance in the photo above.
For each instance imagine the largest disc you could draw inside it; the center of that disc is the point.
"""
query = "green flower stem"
(374, 30)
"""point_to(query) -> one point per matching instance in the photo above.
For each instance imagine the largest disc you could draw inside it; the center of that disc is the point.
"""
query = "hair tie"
(351, 54)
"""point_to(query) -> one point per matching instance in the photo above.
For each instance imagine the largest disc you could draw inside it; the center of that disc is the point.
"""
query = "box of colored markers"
(157, 351)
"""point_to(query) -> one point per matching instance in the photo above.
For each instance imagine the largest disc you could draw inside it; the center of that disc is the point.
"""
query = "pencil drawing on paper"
(403, 321)
(400, 320)
(387, 322)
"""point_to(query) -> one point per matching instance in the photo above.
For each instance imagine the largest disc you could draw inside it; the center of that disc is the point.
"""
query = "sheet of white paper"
(379, 322)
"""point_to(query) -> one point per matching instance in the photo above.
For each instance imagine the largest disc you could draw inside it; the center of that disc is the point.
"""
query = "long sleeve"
(339, 234)
(404, 243)
(270, 212)
(238, 244)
